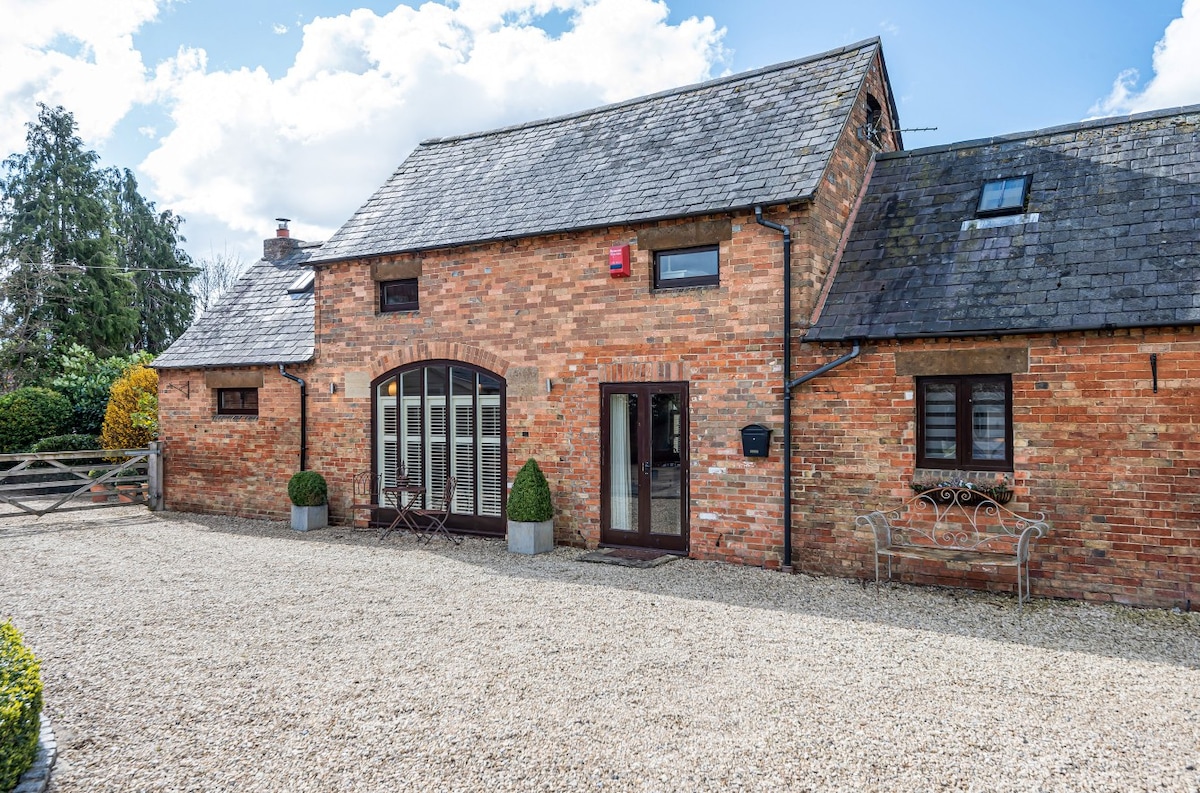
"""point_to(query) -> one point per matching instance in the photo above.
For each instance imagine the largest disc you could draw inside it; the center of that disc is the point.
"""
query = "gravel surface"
(185, 652)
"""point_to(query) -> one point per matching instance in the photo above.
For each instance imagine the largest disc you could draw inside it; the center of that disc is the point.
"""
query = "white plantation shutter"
(431, 436)
(463, 461)
(491, 484)
(436, 450)
(411, 430)
(386, 442)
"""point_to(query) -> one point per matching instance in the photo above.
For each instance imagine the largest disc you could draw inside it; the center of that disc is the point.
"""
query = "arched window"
(440, 418)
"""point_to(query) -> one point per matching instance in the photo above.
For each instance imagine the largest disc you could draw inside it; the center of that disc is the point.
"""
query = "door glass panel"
(436, 437)
(491, 478)
(462, 447)
(665, 484)
(623, 468)
(386, 428)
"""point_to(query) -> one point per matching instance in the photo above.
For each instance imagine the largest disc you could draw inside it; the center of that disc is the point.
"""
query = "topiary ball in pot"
(308, 489)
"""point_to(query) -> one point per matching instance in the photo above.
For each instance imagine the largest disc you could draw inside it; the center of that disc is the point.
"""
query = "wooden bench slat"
(952, 555)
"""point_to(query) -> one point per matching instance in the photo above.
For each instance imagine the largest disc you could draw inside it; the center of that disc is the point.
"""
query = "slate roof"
(1115, 241)
(759, 137)
(256, 322)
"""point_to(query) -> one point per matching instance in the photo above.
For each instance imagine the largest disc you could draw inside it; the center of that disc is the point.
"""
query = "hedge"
(20, 706)
(66, 443)
(30, 414)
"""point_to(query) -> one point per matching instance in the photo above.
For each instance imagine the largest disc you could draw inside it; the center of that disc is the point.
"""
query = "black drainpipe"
(787, 390)
(789, 383)
(303, 415)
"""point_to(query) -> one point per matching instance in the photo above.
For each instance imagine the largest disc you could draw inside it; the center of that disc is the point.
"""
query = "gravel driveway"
(184, 652)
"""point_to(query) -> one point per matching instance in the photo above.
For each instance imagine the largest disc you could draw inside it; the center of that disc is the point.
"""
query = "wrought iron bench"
(954, 524)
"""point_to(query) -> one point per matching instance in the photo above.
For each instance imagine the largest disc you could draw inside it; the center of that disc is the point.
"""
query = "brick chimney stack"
(281, 245)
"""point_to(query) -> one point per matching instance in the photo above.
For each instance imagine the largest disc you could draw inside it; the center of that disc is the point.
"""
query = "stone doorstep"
(629, 557)
(37, 776)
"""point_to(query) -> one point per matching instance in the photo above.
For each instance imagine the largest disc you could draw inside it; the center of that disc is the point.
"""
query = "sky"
(234, 112)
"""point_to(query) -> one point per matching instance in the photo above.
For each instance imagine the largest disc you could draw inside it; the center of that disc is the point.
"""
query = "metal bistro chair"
(366, 495)
(436, 517)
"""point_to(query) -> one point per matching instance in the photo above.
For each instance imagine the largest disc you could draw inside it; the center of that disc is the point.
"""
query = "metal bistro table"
(405, 498)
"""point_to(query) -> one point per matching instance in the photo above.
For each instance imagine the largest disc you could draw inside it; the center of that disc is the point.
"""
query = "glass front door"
(644, 465)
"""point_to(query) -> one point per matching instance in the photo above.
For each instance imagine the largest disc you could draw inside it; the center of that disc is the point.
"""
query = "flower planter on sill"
(969, 496)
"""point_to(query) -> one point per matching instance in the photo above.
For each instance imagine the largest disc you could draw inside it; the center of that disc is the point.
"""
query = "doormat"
(629, 557)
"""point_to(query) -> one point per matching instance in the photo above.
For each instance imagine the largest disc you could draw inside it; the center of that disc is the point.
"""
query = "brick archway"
(439, 350)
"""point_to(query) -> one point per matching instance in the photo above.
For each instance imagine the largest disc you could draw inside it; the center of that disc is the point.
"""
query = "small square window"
(686, 267)
(398, 295)
(965, 422)
(237, 401)
(1003, 196)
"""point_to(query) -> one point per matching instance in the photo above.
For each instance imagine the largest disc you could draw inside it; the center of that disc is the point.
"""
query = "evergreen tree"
(84, 258)
(148, 249)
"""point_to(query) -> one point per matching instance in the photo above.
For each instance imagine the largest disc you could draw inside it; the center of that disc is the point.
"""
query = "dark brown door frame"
(467, 524)
(643, 537)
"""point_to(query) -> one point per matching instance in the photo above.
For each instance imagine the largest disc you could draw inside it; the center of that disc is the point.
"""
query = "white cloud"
(365, 89)
(279, 29)
(76, 54)
(1176, 78)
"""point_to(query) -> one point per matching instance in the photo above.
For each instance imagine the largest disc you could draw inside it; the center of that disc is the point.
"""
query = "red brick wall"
(547, 305)
(237, 465)
(1115, 466)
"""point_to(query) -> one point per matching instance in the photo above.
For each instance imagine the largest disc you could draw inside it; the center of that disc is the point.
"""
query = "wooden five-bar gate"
(40, 483)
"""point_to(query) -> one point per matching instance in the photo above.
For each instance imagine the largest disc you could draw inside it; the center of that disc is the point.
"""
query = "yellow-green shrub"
(133, 398)
(20, 706)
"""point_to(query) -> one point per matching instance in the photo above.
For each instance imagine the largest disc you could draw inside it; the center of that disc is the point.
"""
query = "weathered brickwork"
(206, 452)
(1112, 463)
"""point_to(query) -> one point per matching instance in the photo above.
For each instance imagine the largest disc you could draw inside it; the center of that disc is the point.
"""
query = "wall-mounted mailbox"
(618, 261)
(756, 440)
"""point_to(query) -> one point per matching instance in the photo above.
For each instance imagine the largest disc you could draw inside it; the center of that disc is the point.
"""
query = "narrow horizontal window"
(686, 267)
(1003, 196)
(965, 422)
(237, 401)
(398, 295)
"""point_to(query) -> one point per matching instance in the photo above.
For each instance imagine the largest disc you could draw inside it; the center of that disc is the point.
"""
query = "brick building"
(467, 317)
(1027, 309)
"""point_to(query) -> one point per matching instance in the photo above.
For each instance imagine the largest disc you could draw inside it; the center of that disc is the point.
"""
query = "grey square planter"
(306, 518)
(530, 538)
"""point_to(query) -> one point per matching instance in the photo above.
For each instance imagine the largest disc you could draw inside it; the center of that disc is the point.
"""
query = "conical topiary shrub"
(529, 500)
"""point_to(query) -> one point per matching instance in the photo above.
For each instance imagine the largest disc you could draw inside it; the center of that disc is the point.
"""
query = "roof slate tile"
(759, 137)
(1114, 244)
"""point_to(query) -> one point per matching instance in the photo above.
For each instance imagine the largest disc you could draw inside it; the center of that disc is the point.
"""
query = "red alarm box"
(618, 261)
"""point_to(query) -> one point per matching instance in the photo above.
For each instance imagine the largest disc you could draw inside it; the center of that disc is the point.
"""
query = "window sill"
(233, 417)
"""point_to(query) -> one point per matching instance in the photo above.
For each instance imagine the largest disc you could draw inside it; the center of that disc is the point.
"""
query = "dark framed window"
(686, 267)
(237, 401)
(1003, 196)
(398, 295)
(965, 422)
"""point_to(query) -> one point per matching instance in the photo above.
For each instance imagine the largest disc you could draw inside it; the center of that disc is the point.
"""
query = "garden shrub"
(66, 443)
(529, 499)
(133, 398)
(30, 414)
(20, 706)
(87, 380)
(308, 489)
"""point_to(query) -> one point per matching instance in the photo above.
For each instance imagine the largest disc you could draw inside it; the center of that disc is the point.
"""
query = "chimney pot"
(281, 245)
